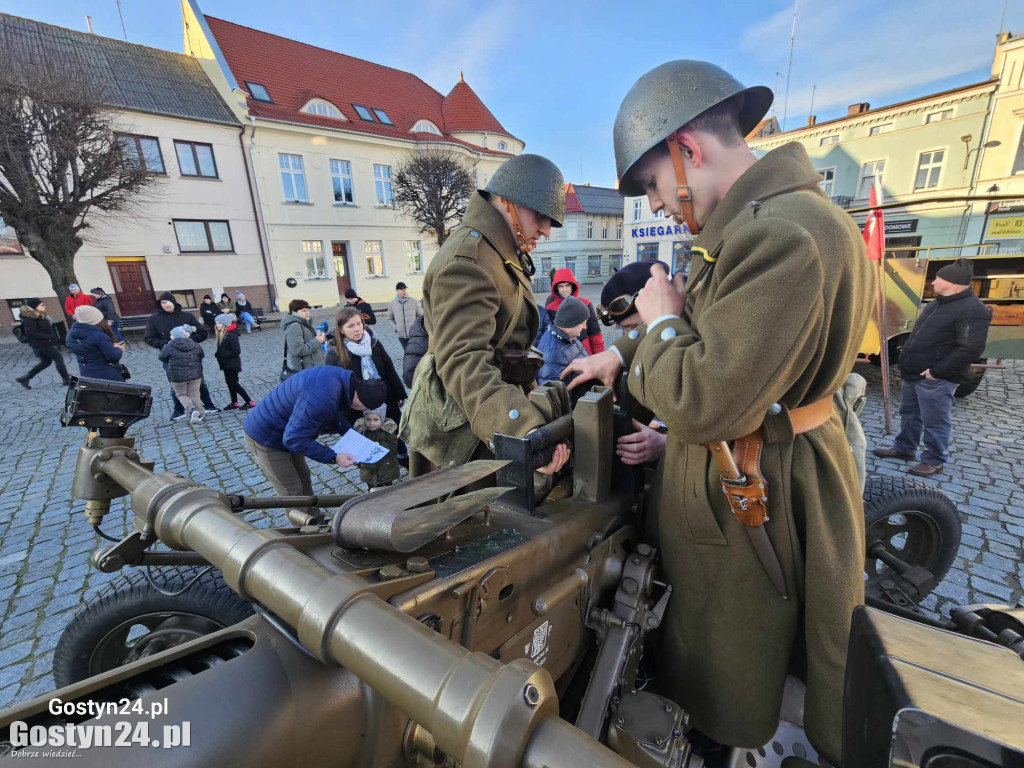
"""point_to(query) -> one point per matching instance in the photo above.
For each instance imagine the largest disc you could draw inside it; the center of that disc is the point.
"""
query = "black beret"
(628, 280)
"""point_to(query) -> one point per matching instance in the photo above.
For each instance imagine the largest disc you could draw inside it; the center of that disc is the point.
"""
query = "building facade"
(589, 242)
(649, 236)
(324, 134)
(193, 230)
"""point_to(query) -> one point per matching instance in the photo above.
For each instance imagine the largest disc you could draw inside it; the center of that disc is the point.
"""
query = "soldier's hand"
(558, 459)
(640, 447)
(344, 460)
(659, 297)
(604, 367)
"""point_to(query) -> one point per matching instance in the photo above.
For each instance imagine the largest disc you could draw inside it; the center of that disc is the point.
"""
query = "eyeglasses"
(617, 307)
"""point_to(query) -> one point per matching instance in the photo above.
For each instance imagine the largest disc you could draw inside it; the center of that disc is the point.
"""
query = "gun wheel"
(129, 619)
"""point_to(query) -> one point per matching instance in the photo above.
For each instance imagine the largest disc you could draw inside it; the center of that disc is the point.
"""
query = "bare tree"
(60, 158)
(432, 187)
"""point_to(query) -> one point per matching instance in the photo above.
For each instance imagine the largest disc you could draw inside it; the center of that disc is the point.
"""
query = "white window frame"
(293, 173)
(383, 186)
(638, 209)
(340, 175)
(414, 250)
(657, 250)
(941, 166)
(604, 230)
(618, 230)
(425, 126)
(323, 108)
(880, 129)
(928, 115)
(860, 179)
(372, 255)
(830, 182)
(311, 253)
(590, 230)
(828, 141)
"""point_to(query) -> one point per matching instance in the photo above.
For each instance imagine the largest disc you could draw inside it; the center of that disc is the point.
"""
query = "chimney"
(857, 109)
(812, 120)
(88, 22)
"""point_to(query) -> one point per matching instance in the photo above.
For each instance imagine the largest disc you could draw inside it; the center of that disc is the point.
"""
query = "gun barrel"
(479, 711)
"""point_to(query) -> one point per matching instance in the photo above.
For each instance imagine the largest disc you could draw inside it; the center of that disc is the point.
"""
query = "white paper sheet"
(364, 450)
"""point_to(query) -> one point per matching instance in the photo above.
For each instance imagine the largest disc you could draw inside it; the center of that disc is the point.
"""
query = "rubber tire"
(973, 382)
(131, 595)
(885, 495)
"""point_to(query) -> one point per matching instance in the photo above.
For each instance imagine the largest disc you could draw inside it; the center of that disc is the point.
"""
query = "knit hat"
(571, 312)
(180, 332)
(239, 295)
(627, 281)
(225, 319)
(350, 293)
(959, 272)
(99, 291)
(380, 410)
(33, 303)
(207, 296)
(74, 287)
(372, 392)
(88, 315)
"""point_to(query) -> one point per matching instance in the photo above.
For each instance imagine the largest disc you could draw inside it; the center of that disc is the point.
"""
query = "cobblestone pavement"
(45, 542)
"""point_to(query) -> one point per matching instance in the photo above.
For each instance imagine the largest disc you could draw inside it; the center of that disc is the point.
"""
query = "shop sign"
(662, 230)
(1006, 206)
(898, 227)
(1011, 226)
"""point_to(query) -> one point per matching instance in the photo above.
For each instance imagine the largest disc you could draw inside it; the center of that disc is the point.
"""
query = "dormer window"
(323, 108)
(363, 112)
(258, 92)
(383, 116)
(425, 126)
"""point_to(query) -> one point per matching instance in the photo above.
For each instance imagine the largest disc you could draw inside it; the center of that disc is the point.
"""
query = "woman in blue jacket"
(281, 431)
(94, 348)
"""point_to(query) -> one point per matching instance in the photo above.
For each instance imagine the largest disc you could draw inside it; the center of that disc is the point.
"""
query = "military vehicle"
(503, 626)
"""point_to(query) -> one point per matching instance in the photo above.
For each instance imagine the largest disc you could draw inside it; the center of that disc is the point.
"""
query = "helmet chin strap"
(522, 244)
(683, 192)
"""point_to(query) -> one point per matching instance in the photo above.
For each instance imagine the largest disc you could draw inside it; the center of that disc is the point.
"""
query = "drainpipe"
(261, 234)
(986, 131)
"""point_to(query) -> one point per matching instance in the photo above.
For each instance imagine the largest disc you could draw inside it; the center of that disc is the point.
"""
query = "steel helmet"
(533, 181)
(666, 99)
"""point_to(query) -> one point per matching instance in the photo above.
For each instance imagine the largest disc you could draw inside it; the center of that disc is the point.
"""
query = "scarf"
(363, 350)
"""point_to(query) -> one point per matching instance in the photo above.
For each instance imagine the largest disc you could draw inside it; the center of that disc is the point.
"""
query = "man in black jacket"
(168, 315)
(949, 335)
(105, 304)
(39, 332)
(353, 299)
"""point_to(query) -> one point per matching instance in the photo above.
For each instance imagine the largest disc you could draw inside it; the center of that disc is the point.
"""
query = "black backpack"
(19, 333)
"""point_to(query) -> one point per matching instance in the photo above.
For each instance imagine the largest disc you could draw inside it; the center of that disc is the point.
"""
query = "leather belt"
(746, 489)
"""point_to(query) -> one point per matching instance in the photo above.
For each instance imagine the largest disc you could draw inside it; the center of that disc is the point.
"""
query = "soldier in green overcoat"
(477, 298)
(767, 330)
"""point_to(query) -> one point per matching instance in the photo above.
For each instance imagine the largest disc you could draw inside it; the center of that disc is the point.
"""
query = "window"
(681, 258)
(545, 266)
(341, 182)
(383, 116)
(637, 209)
(828, 176)
(827, 140)
(144, 150)
(185, 297)
(646, 251)
(877, 130)
(929, 168)
(382, 183)
(9, 244)
(425, 126)
(1018, 161)
(590, 230)
(614, 262)
(374, 258)
(258, 92)
(593, 266)
(502, 146)
(195, 159)
(604, 230)
(323, 108)
(570, 264)
(938, 117)
(414, 252)
(660, 214)
(867, 177)
(293, 178)
(363, 112)
(618, 230)
(202, 236)
(316, 264)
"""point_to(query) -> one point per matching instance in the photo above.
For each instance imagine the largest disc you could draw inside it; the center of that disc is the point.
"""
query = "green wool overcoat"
(779, 320)
(471, 295)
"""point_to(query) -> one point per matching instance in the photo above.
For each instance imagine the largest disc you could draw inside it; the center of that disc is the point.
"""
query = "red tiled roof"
(572, 203)
(294, 72)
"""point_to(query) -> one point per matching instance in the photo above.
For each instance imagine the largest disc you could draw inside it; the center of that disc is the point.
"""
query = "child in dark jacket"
(229, 358)
(384, 432)
(184, 359)
(561, 343)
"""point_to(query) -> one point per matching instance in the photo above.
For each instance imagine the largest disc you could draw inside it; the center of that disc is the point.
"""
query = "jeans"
(287, 472)
(47, 354)
(116, 328)
(248, 319)
(204, 395)
(926, 407)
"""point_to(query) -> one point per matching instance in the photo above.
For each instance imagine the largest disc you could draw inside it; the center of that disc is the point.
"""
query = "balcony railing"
(843, 201)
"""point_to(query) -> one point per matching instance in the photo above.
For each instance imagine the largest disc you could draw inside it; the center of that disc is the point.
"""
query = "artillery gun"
(503, 626)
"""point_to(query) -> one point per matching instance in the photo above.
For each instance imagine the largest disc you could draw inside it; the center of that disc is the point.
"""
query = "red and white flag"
(874, 228)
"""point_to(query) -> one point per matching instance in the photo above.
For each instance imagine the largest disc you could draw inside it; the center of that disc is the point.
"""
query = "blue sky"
(554, 71)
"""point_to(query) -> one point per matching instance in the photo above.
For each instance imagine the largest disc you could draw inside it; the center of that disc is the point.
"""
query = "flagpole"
(881, 309)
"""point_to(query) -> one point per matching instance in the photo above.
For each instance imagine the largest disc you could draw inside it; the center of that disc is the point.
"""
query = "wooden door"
(133, 288)
(341, 270)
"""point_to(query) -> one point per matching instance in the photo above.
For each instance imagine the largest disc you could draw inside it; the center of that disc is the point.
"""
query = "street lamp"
(967, 140)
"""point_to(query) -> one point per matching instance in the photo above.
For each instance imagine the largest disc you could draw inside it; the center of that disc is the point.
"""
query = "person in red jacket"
(564, 284)
(76, 299)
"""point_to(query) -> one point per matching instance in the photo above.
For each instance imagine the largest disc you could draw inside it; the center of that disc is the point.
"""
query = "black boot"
(23, 380)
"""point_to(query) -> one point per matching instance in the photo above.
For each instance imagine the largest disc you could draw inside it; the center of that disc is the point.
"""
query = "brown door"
(132, 286)
(340, 251)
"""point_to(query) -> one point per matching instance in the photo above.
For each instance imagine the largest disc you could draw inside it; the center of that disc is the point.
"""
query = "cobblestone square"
(45, 541)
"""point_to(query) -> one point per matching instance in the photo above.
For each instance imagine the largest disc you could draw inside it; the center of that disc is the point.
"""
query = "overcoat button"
(513, 414)
(474, 233)
(636, 370)
(774, 409)
(634, 334)
(668, 333)
(490, 444)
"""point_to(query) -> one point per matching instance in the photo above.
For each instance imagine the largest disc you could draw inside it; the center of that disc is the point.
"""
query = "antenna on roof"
(123, 30)
(814, 89)
(775, 92)
(789, 72)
